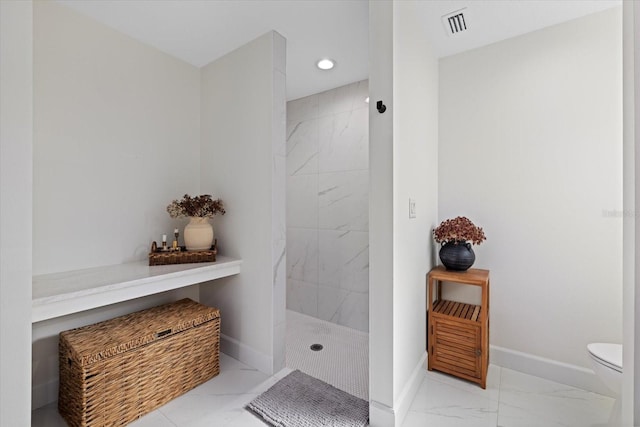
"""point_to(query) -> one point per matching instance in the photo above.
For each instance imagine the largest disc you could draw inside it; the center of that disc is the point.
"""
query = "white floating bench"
(60, 294)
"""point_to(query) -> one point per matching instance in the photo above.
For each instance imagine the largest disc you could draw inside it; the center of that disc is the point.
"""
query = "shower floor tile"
(344, 360)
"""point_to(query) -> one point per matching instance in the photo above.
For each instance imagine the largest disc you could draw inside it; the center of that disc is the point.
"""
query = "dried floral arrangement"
(203, 206)
(459, 229)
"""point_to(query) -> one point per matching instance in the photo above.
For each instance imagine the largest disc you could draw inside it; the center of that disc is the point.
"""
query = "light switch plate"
(412, 208)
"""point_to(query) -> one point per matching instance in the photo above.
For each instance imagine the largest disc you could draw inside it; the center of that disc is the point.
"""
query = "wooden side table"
(458, 332)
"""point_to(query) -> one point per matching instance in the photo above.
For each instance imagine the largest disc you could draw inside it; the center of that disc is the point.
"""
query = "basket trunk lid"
(92, 343)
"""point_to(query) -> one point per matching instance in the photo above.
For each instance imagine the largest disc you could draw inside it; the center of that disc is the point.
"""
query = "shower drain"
(316, 347)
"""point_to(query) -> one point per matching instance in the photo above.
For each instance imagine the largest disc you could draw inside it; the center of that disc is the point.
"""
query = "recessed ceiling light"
(367, 100)
(325, 64)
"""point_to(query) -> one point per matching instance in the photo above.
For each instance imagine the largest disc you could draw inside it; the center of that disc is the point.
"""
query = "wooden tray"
(183, 256)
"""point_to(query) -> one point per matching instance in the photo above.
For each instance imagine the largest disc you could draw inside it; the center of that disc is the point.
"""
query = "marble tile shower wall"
(328, 206)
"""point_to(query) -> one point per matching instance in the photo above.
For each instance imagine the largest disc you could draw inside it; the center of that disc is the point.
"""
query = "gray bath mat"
(299, 400)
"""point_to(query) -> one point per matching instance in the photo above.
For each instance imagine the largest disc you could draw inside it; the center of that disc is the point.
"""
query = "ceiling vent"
(455, 23)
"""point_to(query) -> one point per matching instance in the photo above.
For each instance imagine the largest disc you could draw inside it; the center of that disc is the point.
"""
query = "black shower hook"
(381, 107)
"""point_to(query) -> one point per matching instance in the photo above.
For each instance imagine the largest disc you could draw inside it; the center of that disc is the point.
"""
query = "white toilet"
(606, 360)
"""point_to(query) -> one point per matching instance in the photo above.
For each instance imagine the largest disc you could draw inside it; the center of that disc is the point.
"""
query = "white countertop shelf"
(60, 294)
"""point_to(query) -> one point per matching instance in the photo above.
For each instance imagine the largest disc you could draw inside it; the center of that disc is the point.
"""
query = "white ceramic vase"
(198, 234)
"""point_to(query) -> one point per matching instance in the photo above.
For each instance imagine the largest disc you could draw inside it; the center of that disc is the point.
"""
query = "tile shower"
(328, 206)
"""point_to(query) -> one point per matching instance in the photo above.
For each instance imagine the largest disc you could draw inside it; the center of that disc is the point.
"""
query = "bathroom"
(538, 284)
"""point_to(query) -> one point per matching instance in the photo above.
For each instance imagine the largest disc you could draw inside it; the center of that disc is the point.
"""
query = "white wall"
(415, 159)
(328, 205)
(381, 251)
(16, 113)
(403, 165)
(116, 138)
(631, 107)
(531, 150)
(243, 162)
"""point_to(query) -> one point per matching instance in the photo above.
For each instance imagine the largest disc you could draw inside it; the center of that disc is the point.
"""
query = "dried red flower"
(198, 206)
(459, 229)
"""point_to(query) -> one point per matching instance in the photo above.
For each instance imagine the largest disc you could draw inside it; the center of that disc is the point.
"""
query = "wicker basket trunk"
(113, 372)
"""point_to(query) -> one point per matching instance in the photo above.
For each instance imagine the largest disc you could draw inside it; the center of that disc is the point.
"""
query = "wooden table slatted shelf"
(457, 309)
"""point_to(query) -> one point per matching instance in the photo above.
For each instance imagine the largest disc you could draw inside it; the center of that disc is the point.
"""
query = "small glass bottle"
(176, 234)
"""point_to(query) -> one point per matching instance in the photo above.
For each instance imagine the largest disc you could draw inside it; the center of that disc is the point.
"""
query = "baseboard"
(410, 389)
(245, 354)
(564, 373)
(381, 415)
(44, 394)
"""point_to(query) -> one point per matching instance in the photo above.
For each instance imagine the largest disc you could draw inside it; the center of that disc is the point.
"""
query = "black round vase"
(457, 256)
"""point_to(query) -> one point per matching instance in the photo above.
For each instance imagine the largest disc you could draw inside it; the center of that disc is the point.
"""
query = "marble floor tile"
(47, 416)
(451, 419)
(154, 419)
(493, 382)
(442, 403)
(231, 382)
(244, 419)
(511, 399)
(191, 409)
(526, 400)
